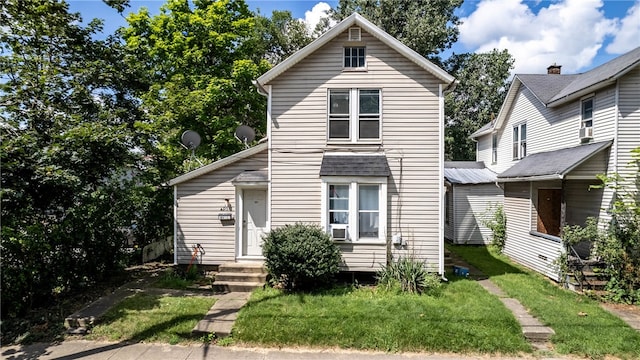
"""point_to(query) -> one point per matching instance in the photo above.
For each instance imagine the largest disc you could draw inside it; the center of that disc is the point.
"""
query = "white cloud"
(567, 32)
(312, 17)
(628, 37)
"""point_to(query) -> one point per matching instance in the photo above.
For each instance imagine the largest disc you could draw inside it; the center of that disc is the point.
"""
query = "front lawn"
(152, 318)
(582, 327)
(464, 318)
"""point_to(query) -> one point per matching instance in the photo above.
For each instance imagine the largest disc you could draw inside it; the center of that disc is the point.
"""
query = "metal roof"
(552, 164)
(354, 165)
(468, 172)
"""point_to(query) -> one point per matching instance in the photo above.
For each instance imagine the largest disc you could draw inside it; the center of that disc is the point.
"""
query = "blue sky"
(577, 34)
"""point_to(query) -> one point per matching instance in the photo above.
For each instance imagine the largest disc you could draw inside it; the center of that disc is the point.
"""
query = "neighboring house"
(354, 145)
(553, 134)
(472, 196)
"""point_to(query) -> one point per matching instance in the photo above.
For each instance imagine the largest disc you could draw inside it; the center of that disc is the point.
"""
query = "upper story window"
(494, 148)
(354, 57)
(354, 115)
(587, 113)
(519, 141)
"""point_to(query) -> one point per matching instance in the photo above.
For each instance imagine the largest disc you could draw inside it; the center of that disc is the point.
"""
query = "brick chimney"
(554, 69)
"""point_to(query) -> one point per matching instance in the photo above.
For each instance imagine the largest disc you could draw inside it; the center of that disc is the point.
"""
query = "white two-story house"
(553, 135)
(354, 144)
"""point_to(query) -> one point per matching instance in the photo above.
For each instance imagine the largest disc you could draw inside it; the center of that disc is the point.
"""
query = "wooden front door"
(549, 211)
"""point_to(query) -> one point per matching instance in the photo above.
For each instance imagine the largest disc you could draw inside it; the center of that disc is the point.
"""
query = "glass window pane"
(368, 224)
(339, 204)
(369, 101)
(339, 129)
(339, 191)
(523, 132)
(339, 102)
(338, 217)
(368, 197)
(369, 129)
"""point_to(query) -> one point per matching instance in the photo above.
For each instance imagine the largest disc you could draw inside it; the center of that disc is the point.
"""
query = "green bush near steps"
(301, 257)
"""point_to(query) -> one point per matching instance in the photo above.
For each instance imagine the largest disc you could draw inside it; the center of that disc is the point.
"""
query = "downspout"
(175, 224)
(441, 182)
(266, 92)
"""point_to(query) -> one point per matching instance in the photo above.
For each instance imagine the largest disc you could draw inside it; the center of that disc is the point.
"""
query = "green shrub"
(497, 223)
(408, 275)
(301, 256)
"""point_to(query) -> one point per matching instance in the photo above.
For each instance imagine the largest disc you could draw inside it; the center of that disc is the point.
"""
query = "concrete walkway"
(222, 315)
(79, 349)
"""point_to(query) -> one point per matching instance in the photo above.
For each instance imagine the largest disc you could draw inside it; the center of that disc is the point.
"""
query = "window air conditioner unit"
(339, 232)
(354, 34)
(586, 133)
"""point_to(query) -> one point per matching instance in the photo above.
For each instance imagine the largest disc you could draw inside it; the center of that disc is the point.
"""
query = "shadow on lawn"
(483, 259)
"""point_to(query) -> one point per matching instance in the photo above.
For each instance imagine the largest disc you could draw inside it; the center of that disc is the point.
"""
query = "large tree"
(70, 144)
(427, 26)
(279, 36)
(198, 66)
(476, 100)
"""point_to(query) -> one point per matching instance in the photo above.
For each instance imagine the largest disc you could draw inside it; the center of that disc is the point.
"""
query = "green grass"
(596, 334)
(152, 318)
(464, 319)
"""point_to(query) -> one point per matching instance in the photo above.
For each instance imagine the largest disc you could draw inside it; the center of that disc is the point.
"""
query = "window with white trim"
(587, 113)
(355, 208)
(519, 141)
(354, 115)
(494, 148)
(354, 57)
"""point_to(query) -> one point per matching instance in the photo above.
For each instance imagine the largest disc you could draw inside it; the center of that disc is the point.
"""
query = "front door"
(254, 221)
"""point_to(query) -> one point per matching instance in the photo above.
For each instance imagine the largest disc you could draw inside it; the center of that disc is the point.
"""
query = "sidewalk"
(79, 349)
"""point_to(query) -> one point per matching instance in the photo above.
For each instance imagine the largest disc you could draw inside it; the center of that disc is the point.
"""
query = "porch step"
(240, 277)
(235, 286)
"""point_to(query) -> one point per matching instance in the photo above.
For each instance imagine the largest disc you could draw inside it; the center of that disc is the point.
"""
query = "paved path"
(70, 350)
(222, 315)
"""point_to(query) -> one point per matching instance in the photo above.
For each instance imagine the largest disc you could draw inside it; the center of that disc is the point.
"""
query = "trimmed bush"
(301, 256)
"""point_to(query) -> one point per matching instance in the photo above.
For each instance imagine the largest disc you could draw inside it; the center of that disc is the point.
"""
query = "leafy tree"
(196, 58)
(476, 100)
(70, 147)
(426, 26)
(279, 36)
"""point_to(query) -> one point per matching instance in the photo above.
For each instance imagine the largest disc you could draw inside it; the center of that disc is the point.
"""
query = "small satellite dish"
(190, 139)
(245, 134)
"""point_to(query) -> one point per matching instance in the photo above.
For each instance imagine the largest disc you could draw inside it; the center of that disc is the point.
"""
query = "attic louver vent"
(354, 34)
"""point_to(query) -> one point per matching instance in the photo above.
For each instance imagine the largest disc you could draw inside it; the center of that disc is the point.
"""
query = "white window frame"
(354, 116)
(355, 57)
(584, 120)
(519, 144)
(354, 183)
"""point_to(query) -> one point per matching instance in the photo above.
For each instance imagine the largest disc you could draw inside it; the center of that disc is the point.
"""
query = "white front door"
(254, 221)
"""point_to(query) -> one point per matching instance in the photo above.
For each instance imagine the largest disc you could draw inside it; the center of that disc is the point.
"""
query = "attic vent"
(354, 34)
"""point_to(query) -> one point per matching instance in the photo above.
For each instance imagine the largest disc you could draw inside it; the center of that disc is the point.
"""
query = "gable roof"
(554, 90)
(355, 19)
(218, 164)
(468, 172)
(551, 165)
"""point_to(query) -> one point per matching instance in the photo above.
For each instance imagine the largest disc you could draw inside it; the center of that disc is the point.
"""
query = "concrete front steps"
(240, 277)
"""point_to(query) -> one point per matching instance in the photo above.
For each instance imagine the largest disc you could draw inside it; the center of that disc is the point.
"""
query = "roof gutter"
(531, 178)
(261, 90)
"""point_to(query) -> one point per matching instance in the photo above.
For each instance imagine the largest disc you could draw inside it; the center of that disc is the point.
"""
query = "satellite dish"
(245, 134)
(190, 139)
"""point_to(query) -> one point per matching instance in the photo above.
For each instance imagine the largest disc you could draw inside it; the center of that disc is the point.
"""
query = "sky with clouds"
(577, 34)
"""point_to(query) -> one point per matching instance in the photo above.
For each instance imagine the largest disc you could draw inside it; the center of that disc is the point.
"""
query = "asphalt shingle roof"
(354, 165)
(550, 163)
(251, 176)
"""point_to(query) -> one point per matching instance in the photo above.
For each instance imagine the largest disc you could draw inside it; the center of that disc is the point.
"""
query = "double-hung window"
(354, 115)
(494, 148)
(587, 113)
(519, 141)
(355, 208)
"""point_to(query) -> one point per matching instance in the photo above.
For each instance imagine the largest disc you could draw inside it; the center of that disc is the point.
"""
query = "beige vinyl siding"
(582, 201)
(597, 164)
(363, 257)
(531, 251)
(483, 149)
(628, 121)
(472, 204)
(410, 129)
(198, 203)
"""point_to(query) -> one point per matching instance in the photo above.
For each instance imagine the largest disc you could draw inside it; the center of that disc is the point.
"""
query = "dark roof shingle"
(354, 165)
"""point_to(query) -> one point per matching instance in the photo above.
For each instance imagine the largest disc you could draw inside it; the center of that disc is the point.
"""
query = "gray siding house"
(354, 145)
(472, 196)
(553, 134)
